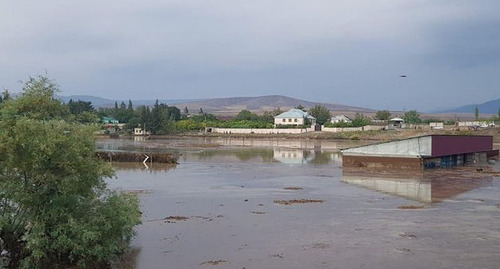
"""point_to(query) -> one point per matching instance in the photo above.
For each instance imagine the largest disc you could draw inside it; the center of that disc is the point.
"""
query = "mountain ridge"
(225, 105)
(488, 107)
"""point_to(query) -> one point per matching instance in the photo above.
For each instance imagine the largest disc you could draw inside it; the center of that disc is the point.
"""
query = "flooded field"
(235, 203)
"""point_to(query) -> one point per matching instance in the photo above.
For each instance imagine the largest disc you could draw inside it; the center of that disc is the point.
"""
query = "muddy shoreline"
(358, 136)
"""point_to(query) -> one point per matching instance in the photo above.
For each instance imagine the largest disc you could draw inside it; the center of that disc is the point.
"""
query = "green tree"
(246, 115)
(360, 120)
(321, 113)
(158, 118)
(268, 116)
(412, 117)
(55, 209)
(301, 107)
(174, 113)
(383, 115)
(476, 113)
(79, 106)
(130, 106)
(5, 95)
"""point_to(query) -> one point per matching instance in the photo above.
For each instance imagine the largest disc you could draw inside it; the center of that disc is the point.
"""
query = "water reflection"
(298, 156)
(292, 156)
(429, 186)
(265, 155)
(182, 143)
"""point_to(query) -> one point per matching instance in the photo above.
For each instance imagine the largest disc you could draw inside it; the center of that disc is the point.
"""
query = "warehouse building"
(421, 152)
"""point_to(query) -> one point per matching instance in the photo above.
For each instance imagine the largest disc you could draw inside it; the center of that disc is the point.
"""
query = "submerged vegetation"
(55, 209)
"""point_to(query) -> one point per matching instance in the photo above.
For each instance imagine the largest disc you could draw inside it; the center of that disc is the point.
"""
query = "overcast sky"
(349, 52)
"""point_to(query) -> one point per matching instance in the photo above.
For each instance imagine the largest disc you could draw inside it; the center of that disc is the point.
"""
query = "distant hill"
(96, 101)
(234, 105)
(103, 102)
(490, 107)
(230, 106)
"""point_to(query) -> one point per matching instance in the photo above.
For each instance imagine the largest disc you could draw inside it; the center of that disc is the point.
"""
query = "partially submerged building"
(421, 152)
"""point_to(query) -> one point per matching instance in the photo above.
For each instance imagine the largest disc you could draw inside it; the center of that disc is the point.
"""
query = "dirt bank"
(361, 135)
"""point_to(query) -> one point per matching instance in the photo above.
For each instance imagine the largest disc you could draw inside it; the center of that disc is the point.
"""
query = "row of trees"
(164, 119)
(55, 208)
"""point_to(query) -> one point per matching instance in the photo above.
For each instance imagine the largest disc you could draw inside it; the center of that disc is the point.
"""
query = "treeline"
(159, 118)
(244, 119)
(164, 119)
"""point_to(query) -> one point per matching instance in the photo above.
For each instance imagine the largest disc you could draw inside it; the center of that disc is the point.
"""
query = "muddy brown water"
(216, 209)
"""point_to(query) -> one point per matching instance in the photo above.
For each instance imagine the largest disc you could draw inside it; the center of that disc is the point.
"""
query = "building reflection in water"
(292, 156)
(429, 186)
(301, 156)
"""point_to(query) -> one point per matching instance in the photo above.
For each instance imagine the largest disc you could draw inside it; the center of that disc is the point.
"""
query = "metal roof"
(396, 119)
(425, 146)
(295, 113)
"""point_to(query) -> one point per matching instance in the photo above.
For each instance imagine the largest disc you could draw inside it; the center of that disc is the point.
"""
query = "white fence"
(483, 124)
(258, 130)
(353, 129)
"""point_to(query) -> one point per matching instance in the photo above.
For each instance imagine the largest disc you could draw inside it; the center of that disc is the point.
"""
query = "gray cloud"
(349, 52)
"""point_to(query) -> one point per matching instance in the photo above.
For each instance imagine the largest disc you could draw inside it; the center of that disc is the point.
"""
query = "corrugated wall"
(451, 145)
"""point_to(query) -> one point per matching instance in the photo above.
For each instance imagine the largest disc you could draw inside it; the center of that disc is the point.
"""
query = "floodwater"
(234, 203)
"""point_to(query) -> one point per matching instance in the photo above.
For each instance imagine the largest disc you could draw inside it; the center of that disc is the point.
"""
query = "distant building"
(112, 125)
(340, 118)
(109, 120)
(396, 123)
(294, 117)
(436, 125)
(140, 131)
(421, 152)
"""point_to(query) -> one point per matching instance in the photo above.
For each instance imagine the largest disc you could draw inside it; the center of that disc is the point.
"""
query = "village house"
(140, 131)
(294, 117)
(109, 120)
(111, 125)
(340, 118)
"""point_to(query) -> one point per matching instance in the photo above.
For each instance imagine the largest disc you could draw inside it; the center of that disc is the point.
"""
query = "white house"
(140, 131)
(294, 116)
(340, 118)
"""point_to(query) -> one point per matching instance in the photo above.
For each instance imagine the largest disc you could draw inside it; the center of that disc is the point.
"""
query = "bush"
(56, 211)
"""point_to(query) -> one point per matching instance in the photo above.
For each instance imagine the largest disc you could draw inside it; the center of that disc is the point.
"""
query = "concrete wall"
(341, 129)
(353, 129)
(476, 123)
(413, 147)
(260, 131)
